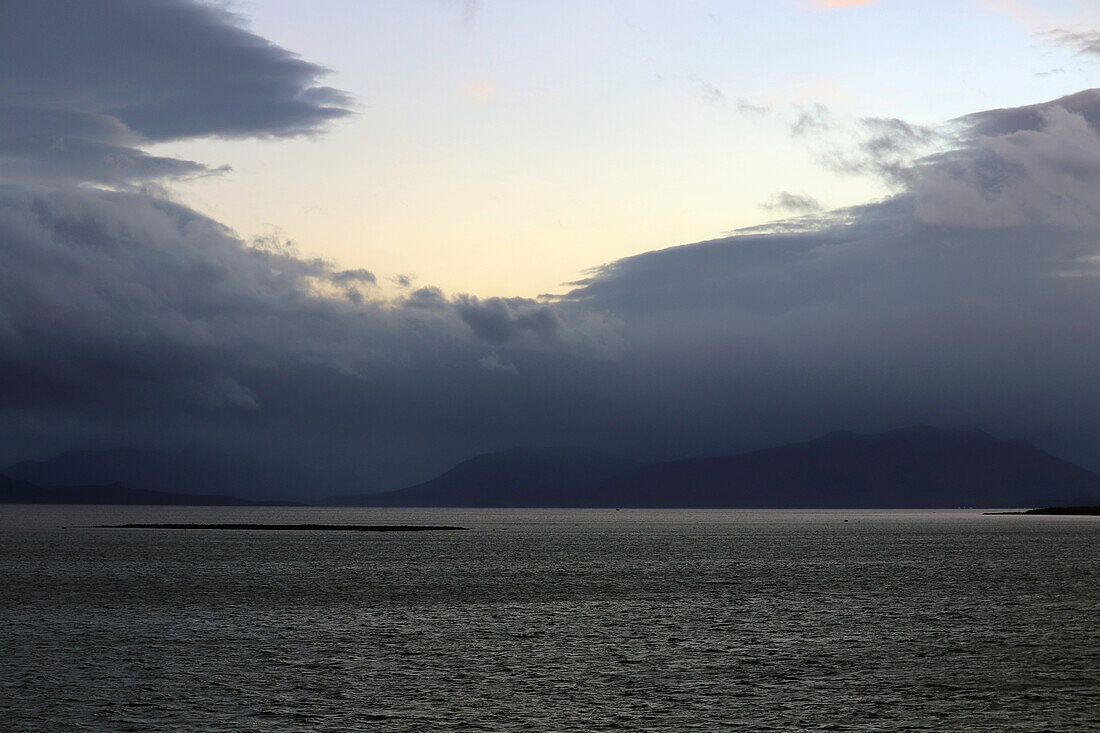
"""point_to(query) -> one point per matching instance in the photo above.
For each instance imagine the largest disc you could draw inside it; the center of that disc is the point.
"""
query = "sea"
(549, 620)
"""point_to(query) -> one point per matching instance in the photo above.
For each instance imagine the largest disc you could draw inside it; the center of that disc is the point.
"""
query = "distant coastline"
(1066, 511)
(918, 467)
(292, 527)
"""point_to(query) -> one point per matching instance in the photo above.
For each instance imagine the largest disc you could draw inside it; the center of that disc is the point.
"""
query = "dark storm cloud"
(344, 277)
(105, 295)
(354, 283)
(998, 168)
(492, 362)
(168, 69)
(128, 319)
(86, 84)
(57, 158)
(53, 145)
(509, 320)
(1034, 171)
(125, 319)
(427, 297)
(1033, 117)
(969, 298)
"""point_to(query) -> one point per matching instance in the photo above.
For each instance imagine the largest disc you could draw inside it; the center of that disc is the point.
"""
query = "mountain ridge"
(189, 470)
(912, 467)
(512, 477)
(14, 491)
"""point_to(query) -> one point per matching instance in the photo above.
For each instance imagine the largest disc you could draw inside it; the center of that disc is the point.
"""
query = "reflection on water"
(550, 620)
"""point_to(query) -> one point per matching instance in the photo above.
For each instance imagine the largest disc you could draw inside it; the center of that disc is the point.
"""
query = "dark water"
(550, 620)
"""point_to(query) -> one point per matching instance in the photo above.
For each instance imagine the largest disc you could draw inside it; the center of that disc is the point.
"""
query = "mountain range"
(527, 477)
(13, 491)
(916, 467)
(187, 471)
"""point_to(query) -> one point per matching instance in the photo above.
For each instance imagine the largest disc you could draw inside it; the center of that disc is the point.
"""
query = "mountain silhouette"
(189, 471)
(917, 467)
(13, 491)
(521, 477)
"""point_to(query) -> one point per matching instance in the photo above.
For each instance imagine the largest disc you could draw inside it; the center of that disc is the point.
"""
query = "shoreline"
(291, 527)
(1063, 511)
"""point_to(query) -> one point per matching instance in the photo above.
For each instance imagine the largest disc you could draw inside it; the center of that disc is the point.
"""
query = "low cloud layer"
(1037, 165)
(86, 84)
(969, 298)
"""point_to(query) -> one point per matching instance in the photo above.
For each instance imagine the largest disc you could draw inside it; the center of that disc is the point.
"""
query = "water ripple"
(564, 622)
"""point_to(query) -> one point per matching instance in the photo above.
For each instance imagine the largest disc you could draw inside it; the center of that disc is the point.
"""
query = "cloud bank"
(86, 84)
(969, 298)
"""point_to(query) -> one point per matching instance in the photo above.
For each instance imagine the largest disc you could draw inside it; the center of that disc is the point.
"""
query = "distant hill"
(13, 491)
(521, 477)
(918, 467)
(1058, 511)
(189, 471)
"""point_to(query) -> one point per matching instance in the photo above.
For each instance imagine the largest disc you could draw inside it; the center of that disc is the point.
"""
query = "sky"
(386, 236)
(502, 148)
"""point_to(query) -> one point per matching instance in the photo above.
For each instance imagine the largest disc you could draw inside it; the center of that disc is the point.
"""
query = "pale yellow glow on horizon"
(507, 151)
(500, 222)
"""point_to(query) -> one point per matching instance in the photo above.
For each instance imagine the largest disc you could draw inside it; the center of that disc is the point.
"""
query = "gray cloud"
(1043, 172)
(1085, 41)
(969, 298)
(878, 322)
(509, 320)
(792, 202)
(492, 362)
(883, 147)
(59, 158)
(747, 107)
(814, 119)
(344, 277)
(129, 319)
(355, 283)
(1031, 165)
(129, 291)
(893, 136)
(427, 297)
(167, 70)
(1032, 117)
(116, 74)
